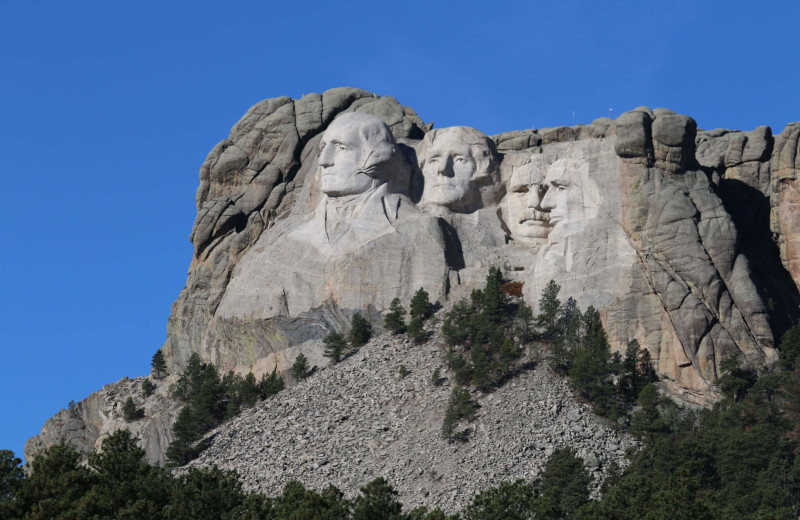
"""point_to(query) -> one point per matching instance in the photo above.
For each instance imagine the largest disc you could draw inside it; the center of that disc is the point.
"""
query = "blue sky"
(108, 109)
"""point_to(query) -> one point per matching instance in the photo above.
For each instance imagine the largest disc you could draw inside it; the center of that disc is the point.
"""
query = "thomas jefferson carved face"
(357, 153)
(528, 223)
(455, 162)
(571, 197)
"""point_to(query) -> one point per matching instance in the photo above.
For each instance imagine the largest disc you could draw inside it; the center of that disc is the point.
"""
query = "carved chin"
(445, 195)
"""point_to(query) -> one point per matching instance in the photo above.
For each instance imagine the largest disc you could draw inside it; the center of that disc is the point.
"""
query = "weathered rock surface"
(85, 425)
(684, 239)
(355, 421)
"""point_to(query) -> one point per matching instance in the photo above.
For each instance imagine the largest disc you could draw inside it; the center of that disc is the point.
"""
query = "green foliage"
(395, 320)
(129, 410)
(11, 479)
(239, 392)
(789, 349)
(460, 407)
(159, 365)
(549, 307)
(403, 371)
(436, 377)
(335, 346)
(300, 367)
(416, 331)
(377, 502)
(360, 330)
(271, 385)
(455, 327)
(420, 305)
(563, 486)
(494, 299)
(148, 387)
(508, 501)
(523, 322)
(736, 380)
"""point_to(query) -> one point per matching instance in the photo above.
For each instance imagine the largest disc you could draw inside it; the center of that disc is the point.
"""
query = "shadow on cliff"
(749, 209)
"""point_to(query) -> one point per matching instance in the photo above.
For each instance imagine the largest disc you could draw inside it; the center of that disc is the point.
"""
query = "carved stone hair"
(481, 146)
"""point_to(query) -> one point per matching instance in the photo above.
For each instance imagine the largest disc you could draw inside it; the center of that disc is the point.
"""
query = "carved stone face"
(455, 162)
(341, 159)
(571, 197)
(528, 223)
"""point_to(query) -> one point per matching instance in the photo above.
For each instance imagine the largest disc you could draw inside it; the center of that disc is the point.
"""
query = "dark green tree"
(494, 299)
(416, 330)
(508, 501)
(735, 380)
(299, 503)
(395, 320)
(159, 365)
(148, 387)
(460, 407)
(481, 370)
(523, 322)
(129, 410)
(360, 330)
(271, 385)
(335, 346)
(377, 502)
(789, 347)
(455, 327)
(300, 368)
(563, 486)
(204, 494)
(591, 371)
(420, 305)
(549, 309)
(11, 477)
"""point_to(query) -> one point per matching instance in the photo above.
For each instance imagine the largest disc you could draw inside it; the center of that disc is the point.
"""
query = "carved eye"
(460, 160)
(340, 147)
(561, 188)
(433, 160)
(520, 188)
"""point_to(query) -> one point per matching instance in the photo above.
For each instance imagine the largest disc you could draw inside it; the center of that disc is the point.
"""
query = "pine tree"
(360, 331)
(563, 486)
(159, 365)
(129, 410)
(271, 385)
(523, 322)
(549, 308)
(395, 320)
(493, 303)
(335, 345)
(481, 375)
(148, 387)
(416, 331)
(300, 367)
(420, 305)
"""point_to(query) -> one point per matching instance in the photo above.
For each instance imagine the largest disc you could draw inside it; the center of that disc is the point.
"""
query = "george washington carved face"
(358, 152)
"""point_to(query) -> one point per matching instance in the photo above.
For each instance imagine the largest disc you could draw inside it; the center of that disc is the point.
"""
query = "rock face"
(313, 209)
(359, 420)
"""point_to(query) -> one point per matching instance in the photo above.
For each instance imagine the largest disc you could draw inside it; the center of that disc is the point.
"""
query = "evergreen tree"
(148, 387)
(591, 366)
(455, 327)
(360, 331)
(563, 486)
(494, 299)
(564, 343)
(300, 367)
(461, 406)
(159, 365)
(508, 501)
(420, 305)
(11, 477)
(395, 320)
(736, 380)
(789, 347)
(377, 502)
(523, 322)
(481, 376)
(416, 331)
(335, 345)
(271, 385)
(129, 410)
(549, 308)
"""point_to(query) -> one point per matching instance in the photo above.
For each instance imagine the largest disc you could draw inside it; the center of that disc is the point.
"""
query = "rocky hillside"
(360, 419)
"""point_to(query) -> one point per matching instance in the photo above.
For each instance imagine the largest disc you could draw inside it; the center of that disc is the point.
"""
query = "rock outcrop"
(684, 239)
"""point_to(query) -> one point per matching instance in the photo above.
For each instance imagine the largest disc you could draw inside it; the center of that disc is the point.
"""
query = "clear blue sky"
(109, 109)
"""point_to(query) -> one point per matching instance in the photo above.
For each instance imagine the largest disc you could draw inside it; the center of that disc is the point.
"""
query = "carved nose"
(547, 201)
(325, 157)
(534, 197)
(446, 168)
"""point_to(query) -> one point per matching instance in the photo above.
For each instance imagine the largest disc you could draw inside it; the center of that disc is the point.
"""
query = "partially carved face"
(455, 162)
(571, 197)
(526, 220)
(341, 159)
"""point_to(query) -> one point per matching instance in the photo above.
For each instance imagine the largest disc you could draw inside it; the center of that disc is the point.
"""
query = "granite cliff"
(684, 239)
